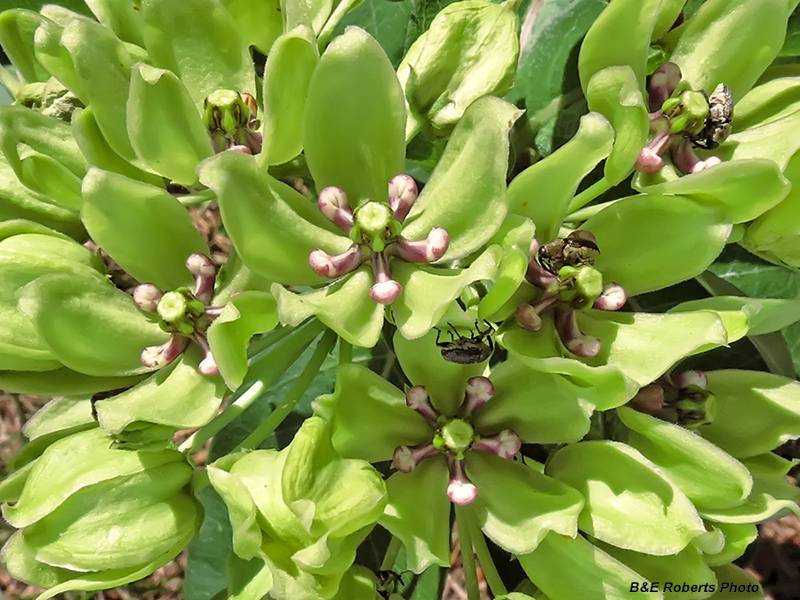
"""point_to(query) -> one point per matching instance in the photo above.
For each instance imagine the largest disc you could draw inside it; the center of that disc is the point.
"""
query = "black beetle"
(467, 350)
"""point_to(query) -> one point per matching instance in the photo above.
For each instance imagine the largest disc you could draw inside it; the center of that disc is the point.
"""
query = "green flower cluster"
(558, 421)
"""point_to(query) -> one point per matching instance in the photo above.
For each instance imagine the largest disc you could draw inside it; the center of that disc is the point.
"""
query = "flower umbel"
(563, 270)
(454, 436)
(375, 229)
(184, 313)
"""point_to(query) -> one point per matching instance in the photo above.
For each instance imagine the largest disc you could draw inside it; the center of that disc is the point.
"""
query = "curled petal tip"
(649, 399)
(205, 272)
(649, 161)
(613, 297)
(326, 265)
(460, 490)
(702, 165)
(402, 195)
(160, 356)
(428, 250)
(147, 296)
(240, 148)
(690, 378)
(208, 366)
(479, 391)
(528, 318)
(505, 444)
(584, 346)
(417, 399)
(332, 202)
(406, 458)
(386, 292)
(573, 338)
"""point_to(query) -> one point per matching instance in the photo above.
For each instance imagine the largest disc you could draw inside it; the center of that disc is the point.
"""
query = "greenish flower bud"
(91, 516)
(458, 436)
(375, 226)
(469, 51)
(230, 120)
(687, 112)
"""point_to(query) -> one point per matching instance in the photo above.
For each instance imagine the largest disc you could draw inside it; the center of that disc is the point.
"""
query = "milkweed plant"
(480, 279)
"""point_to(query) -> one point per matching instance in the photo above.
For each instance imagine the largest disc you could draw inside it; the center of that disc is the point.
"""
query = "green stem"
(270, 339)
(278, 361)
(267, 428)
(485, 559)
(391, 554)
(9, 81)
(345, 352)
(589, 194)
(467, 554)
(587, 213)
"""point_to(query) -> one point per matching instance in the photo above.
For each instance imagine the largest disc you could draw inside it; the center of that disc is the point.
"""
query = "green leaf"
(245, 315)
(727, 24)
(258, 23)
(144, 228)
(743, 190)
(470, 50)
(61, 381)
(199, 41)
(59, 414)
(534, 416)
(354, 121)
(764, 315)
(738, 536)
(543, 191)
(177, 396)
(17, 28)
(51, 53)
(428, 291)
(248, 580)
(164, 125)
(121, 17)
(205, 566)
(645, 346)
(75, 463)
(773, 496)
(287, 74)
(89, 325)
(344, 306)
(104, 66)
(419, 513)
(755, 412)
(736, 576)
(422, 362)
(387, 22)
(242, 511)
(630, 502)
(615, 93)
(516, 505)
(619, 36)
(550, 32)
(709, 477)
(666, 239)
(98, 153)
(595, 574)
(688, 566)
(370, 416)
(466, 194)
(273, 227)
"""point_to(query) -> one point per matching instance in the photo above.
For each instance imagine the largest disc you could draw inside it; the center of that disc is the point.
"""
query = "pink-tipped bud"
(147, 296)
(573, 338)
(326, 265)
(690, 378)
(613, 297)
(161, 356)
(649, 161)
(479, 391)
(460, 489)
(208, 366)
(417, 399)
(505, 444)
(406, 458)
(649, 399)
(333, 204)
(662, 83)
(402, 195)
(687, 162)
(428, 250)
(386, 292)
(205, 273)
(529, 315)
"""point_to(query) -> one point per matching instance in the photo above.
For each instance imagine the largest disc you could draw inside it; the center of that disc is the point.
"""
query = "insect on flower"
(718, 122)
(467, 350)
